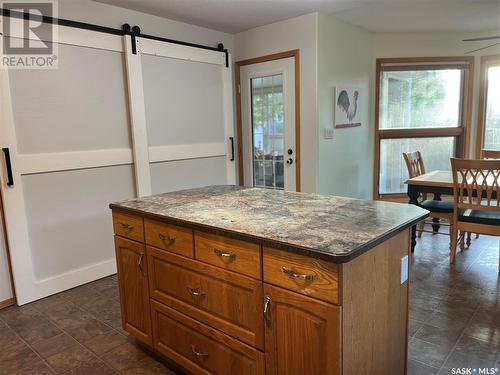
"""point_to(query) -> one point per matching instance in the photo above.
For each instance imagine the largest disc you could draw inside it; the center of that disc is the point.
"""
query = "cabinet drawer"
(176, 239)
(199, 348)
(238, 256)
(312, 277)
(225, 300)
(128, 226)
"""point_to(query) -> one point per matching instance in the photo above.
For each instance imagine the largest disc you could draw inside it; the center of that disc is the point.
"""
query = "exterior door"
(268, 124)
(302, 334)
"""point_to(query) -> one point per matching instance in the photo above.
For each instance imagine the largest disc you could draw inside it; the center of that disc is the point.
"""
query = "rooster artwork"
(347, 115)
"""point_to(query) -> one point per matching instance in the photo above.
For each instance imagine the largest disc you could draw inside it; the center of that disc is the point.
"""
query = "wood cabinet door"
(302, 334)
(134, 290)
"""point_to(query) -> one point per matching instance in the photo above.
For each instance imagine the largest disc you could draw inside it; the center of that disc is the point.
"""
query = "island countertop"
(332, 228)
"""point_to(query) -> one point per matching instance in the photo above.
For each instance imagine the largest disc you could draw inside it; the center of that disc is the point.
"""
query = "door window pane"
(420, 98)
(268, 131)
(492, 124)
(436, 153)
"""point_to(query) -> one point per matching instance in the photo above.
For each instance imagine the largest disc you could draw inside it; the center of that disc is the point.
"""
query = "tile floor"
(454, 311)
(454, 321)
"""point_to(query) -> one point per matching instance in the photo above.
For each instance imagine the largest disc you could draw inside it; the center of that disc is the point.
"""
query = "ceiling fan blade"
(480, 49)
(481, 38)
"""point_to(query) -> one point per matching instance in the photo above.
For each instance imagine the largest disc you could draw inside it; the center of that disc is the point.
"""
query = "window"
(421, 104)
(489, 105)
(268, 131)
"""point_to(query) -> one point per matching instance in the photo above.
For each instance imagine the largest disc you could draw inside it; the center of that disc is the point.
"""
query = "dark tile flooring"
(454, 321)
(454, 310)
(76, 332)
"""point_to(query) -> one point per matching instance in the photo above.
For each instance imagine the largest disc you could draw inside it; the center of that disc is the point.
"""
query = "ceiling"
(234, 16)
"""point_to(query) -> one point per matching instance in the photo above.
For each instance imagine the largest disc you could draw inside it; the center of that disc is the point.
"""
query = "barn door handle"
(232, 148)
(8, 165)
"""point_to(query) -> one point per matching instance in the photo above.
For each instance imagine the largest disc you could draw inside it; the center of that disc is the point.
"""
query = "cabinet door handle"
(127, 228)
(197, 353)
(267, 309)
(139, 263)
(195, 292)
(167, 238)
(297, 275)
(225, 254)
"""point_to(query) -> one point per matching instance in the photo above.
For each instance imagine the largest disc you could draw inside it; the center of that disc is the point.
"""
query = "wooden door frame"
(239, 131)
(486, 61)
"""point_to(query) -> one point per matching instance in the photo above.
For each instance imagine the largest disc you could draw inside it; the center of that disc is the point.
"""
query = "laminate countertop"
(327, 227)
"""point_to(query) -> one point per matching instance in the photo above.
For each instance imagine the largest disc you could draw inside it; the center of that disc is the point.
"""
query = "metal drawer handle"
(198, 353)
(267, 308)
(139, 263)
(127, 227)
(224, 254)
(166, 238)
(196, 292)
(297, 275)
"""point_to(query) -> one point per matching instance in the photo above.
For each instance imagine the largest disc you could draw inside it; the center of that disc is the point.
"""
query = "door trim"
(12, 300)
(239, 131)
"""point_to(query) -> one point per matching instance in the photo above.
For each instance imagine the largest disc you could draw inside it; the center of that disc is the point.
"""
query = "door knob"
(290, 151)
(289, 161)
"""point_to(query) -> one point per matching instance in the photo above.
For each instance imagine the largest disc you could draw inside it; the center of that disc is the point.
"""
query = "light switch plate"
(404, 269)
(328, 133)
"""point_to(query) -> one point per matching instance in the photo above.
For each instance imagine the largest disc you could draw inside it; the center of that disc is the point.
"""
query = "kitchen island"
(233, 280)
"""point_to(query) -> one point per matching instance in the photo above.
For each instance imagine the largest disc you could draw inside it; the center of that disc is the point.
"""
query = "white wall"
(438, 44)
(112, 16)
(344, 59)
(296, 33)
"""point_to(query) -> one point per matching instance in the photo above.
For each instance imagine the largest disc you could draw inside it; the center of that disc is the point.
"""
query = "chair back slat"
(490, 154)
(414, 163)
(476, 184)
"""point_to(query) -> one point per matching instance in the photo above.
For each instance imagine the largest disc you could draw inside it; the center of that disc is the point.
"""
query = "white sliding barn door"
(188, 116)
(67, 132)
(106, 125)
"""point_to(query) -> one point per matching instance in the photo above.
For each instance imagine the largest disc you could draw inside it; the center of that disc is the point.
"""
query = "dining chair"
(439, 209)
(490, 154)
(476, 197)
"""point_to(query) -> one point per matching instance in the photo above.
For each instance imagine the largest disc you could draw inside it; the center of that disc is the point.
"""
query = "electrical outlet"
(404, 269)
(328, 133)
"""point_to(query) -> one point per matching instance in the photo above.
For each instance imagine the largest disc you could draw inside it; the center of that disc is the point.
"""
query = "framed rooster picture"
(347, 105)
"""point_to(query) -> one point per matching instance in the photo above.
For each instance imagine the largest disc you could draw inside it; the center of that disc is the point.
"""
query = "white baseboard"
(71, 279)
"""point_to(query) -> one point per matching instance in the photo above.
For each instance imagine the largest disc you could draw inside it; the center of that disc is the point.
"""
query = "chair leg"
(462, 240)
(468, 241)
(453, 242)
(421, 226)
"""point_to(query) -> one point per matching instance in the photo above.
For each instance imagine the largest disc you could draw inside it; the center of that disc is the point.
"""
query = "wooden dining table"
(437, 183)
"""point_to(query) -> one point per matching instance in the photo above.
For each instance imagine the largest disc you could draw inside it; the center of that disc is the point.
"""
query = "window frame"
(461, 133)
(486, 62)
